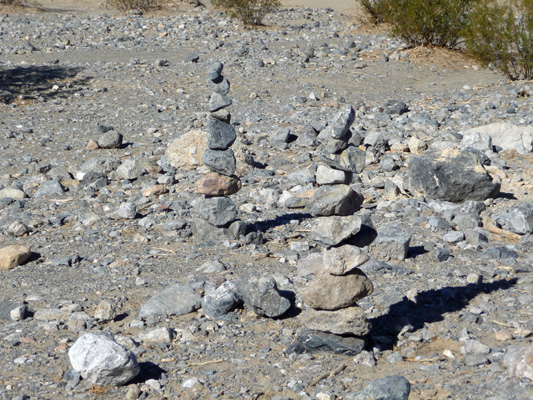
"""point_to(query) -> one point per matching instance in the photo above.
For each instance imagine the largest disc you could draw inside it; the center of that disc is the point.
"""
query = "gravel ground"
(443, 322)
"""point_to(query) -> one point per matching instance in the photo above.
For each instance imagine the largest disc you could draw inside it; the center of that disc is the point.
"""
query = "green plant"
(502, 35)
(250, 12)
(429, 22)
(126, 5)
(377, 10)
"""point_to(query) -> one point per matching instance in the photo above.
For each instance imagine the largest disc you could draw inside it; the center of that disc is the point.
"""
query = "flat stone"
(329, 176)
(161, 334)
(262, 295)
(176, 300)
(218, 211)
(353, 159)
(49, 189)
(333, 230)
(309, 341)
(221, 161)
(218, 85)
(393, 387)
(333, 292)
(334, 200)
(218, 101)
(344, 259)
(392, 242)
(12, 193)
(221, 135)
(102, 361)
(214, 184)
(13, 256)
(350, 320)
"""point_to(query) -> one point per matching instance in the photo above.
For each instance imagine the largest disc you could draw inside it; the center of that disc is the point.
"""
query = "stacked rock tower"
(215, 207)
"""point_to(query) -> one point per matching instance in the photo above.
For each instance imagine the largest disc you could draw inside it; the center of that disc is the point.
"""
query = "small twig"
(162, 249)
(336, 371)
(502, 323)
(205, 363)
(61, 200)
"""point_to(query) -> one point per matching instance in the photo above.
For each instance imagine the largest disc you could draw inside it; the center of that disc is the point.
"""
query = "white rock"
(102, 361)
(507, 136)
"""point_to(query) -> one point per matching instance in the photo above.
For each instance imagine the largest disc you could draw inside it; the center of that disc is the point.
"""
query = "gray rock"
(102, 361)
(394, 107)
(129, 169)
(333, 292)
(348, 321)
(110, 140)
(507, 136)
(222, 135)
(333, 230)
(451, 176)
(218, 101)
(215, 71)
(344, 259)
(478, 140)
(125, 211)
(203, 230)
(518, 220)
(218, 211)
(340, 125)
(6, 307)
(221, 161)
(352, 159)
(329, 176)
(12, 193)
(221, 301)
(392, 242)
(309, 341)
(519, 361)
(218, 85)
(176, 300)
(453, 237)
(49, 189)
(334, 200)
(393, 387)
(262, 295)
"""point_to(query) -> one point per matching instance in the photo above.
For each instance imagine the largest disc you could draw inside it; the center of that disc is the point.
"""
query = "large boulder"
(450, 175)
(506, 136)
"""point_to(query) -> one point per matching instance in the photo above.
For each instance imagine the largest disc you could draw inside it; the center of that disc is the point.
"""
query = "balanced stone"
(215, 71)
(214, 184)
(344, 259)
(218, 211)
(329, 176)
(352, 159)
(219, 85)
(221, 161)
(331, 292)
(334, 230)
(218, 101)
(334, 200)
(342, 122)
(221, 135)
(350, 320)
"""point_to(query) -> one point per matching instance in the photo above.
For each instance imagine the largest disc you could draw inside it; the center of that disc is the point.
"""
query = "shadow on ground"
(37, 81)
(430, 306)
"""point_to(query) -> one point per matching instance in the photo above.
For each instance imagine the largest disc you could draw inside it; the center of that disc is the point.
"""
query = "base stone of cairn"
(216, 212)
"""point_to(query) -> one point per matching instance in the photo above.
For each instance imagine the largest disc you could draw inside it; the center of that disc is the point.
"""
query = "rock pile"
(216, 209)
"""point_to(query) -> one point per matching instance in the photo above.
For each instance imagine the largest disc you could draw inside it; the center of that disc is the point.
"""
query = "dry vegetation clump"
(250, 12)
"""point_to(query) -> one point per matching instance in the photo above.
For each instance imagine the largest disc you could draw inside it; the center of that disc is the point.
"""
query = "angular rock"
(340, 125)
(214, 184)
(125, 211)
(344, 259)
(221, 161)
(129, 169)
(450, 175)
(162, 334)
(186, 151)
(218, 85)
(333, 292)
(110, 140)
(12, 193)
(309, 341)
(334, 230)
(203, 230)
(175, 300)
(221, 135)
(392, 242)
(334, 200)
(262, 295)
(350, 320)
(218, 101)
(477, 140)
(218, 211)
(393, 387)
(13, 256)
(352, 159)
(221, 301)
(507, 136)
(49, 189)
(102, 361)
(519, 361)
(215, 71)
(518, 220)
(329, 176)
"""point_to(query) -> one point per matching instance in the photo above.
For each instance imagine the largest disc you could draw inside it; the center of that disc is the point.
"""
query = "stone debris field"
(304, 210)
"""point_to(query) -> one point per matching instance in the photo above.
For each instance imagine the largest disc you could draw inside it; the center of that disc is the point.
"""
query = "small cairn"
(215, 207)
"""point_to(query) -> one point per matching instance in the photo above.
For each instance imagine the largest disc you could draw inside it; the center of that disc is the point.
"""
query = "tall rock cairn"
(215, 207)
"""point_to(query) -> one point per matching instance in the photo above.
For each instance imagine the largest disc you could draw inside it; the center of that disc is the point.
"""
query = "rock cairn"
(215, 208)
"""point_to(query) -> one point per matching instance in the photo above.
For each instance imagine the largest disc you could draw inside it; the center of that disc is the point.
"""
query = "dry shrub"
(250, 12)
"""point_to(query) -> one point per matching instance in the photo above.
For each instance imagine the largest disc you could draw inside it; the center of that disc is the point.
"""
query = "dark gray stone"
(221, 135)
(309, 341)
(221, 161)
(219, 85)
(218, 211)
(175, 300)
(393, 387)
(394, 107)
(110, 140)
(221, 301)
(334, 200)
(218, 101)
(215, 71)
(451, 176)
(262, 295)
(350, 160)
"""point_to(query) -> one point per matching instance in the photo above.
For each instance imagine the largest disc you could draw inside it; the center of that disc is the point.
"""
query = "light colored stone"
(13, 256)
(129, 169)
(155, 190)
(102, 361)
(417, 146)
(350, 320)
(52, 314)
(331, 292)
(105, 311)
(519, 361)
(333, 230)
(329, 176)
(157, 335)
(214, 184)
(342, 260)
(507, 136)
(12, 193)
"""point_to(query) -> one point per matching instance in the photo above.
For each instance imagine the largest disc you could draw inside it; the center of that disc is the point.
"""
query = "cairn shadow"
(263, 226)
(430, 306)
(37, 81)
(149, 370)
